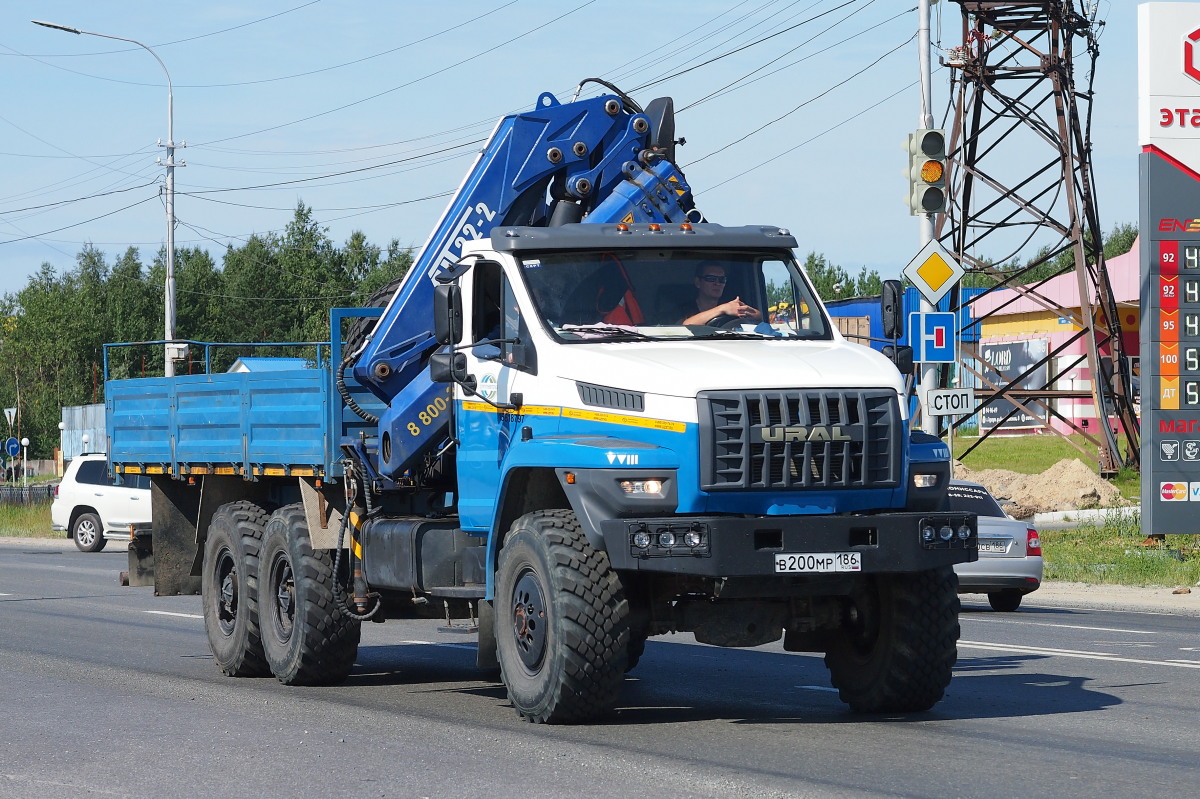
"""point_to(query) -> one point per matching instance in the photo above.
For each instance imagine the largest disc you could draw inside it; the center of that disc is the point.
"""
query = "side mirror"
(661, 112)
(447, 313)
(891, 308)
(901, 356)
(448, 367)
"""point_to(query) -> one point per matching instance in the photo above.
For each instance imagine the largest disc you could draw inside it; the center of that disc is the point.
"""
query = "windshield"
(645, 294)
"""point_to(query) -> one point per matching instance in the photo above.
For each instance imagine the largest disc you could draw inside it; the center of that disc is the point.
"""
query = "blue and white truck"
(537, 437)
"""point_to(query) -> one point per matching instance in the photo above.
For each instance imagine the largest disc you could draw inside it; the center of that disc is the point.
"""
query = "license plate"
(818, 562)
(993, 546)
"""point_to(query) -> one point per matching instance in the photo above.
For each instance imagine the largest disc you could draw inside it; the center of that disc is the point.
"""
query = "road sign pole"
(928, 371)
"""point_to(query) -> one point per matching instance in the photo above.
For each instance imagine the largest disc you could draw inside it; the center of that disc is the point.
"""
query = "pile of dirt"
(1067, 485)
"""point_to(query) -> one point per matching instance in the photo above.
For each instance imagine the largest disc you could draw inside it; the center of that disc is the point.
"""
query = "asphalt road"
(110, 691)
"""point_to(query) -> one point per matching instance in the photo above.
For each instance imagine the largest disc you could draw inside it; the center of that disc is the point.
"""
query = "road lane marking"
(168, 613)
(825, 688)
(472, 647)
(1071, 653)
(1064, 626)
(1097, 609)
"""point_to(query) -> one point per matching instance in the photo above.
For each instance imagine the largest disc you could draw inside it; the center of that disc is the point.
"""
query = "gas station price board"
(1169, 170)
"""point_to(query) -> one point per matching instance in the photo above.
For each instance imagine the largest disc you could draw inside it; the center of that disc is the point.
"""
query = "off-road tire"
(229, 588)
(897, 650)
(88, 532)
(307, 638)
(562, 621)
(1005, 601)
(635, 650)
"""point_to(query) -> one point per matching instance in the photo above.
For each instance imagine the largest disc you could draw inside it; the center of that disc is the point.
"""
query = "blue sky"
(363, 110)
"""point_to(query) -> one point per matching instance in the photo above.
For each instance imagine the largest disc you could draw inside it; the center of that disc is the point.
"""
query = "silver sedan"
(1010, 551)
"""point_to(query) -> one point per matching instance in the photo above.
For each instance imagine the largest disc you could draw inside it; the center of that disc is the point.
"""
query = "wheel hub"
(227, 579)
(284, 592)
(529, 620)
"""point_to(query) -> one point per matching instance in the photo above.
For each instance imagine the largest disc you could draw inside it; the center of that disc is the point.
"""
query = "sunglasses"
(714, 279)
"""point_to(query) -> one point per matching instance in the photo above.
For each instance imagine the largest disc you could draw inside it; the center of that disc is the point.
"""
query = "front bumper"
(733, 546)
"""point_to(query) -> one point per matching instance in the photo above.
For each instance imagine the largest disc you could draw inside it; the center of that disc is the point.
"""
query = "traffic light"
(927, 172)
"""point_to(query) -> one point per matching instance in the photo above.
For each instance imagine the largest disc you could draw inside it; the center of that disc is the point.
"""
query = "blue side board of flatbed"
(274, 421)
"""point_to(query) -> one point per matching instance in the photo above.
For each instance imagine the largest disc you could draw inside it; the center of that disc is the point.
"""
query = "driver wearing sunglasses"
(710, 280)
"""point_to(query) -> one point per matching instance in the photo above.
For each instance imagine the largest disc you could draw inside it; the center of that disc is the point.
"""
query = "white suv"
(91, 508)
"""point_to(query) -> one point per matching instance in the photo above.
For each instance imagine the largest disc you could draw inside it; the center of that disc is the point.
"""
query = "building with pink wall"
(1013, 327)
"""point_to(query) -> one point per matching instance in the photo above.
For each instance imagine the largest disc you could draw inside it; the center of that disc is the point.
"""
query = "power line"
(76, 199)
(743, 81)
(335, 174)
(458, 26)
(806, 102)
(811, 139)
(481, 52)
(740, 49)
(77, 224)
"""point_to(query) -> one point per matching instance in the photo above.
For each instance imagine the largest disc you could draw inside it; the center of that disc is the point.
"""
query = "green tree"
(389, 270)
(830, 281)
(1120, 240)
(869, 284)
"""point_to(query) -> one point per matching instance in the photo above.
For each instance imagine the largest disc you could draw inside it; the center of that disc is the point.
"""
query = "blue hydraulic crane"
(601, 159)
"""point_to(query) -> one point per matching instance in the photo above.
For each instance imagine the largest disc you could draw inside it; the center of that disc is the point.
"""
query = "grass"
(26, 521)
(1115, 551)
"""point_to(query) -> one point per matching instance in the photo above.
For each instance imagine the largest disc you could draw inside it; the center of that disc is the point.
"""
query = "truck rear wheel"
(307, 638)
(562, 621)
(897, 650)
(229, 588)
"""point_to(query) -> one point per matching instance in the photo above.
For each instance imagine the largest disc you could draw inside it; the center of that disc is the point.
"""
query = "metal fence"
(37, 494)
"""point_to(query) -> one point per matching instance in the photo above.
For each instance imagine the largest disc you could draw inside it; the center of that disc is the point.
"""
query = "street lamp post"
(169, 313)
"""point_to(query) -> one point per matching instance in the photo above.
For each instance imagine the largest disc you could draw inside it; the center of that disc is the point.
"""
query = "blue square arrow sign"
(932, 337)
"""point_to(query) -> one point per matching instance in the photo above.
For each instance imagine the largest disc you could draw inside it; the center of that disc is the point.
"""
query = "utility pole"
(169, 350)
(925, 221)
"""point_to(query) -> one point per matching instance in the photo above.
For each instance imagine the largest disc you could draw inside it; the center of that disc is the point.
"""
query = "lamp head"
(56, 26)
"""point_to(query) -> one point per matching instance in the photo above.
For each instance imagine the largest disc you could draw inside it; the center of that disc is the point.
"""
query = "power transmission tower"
(1022, 178)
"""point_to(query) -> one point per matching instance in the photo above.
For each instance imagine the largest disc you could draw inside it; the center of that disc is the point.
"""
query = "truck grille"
(791, 439)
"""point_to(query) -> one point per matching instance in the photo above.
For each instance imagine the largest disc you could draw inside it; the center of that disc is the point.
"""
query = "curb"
(1089, 515)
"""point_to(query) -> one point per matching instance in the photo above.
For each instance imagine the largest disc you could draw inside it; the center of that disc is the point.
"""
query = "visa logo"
(1195, 492)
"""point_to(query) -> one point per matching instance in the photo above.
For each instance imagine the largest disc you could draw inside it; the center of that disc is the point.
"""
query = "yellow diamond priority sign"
(934, 271)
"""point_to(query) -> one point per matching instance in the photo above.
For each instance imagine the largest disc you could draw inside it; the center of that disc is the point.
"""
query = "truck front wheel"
(307, 638)
(562, 621)
(896, 651)
(229, 588)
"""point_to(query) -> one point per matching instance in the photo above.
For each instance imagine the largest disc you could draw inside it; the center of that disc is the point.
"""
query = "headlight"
(642, 486)
(946, 532)
(666, 539)
(964, 532)
(928, 533)
(924, 480)
(641, 539)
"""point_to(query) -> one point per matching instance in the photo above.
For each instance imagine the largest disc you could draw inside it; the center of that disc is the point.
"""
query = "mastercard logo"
(1173, 492)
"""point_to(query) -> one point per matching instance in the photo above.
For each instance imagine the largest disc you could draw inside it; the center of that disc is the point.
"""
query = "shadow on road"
(687, 682)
